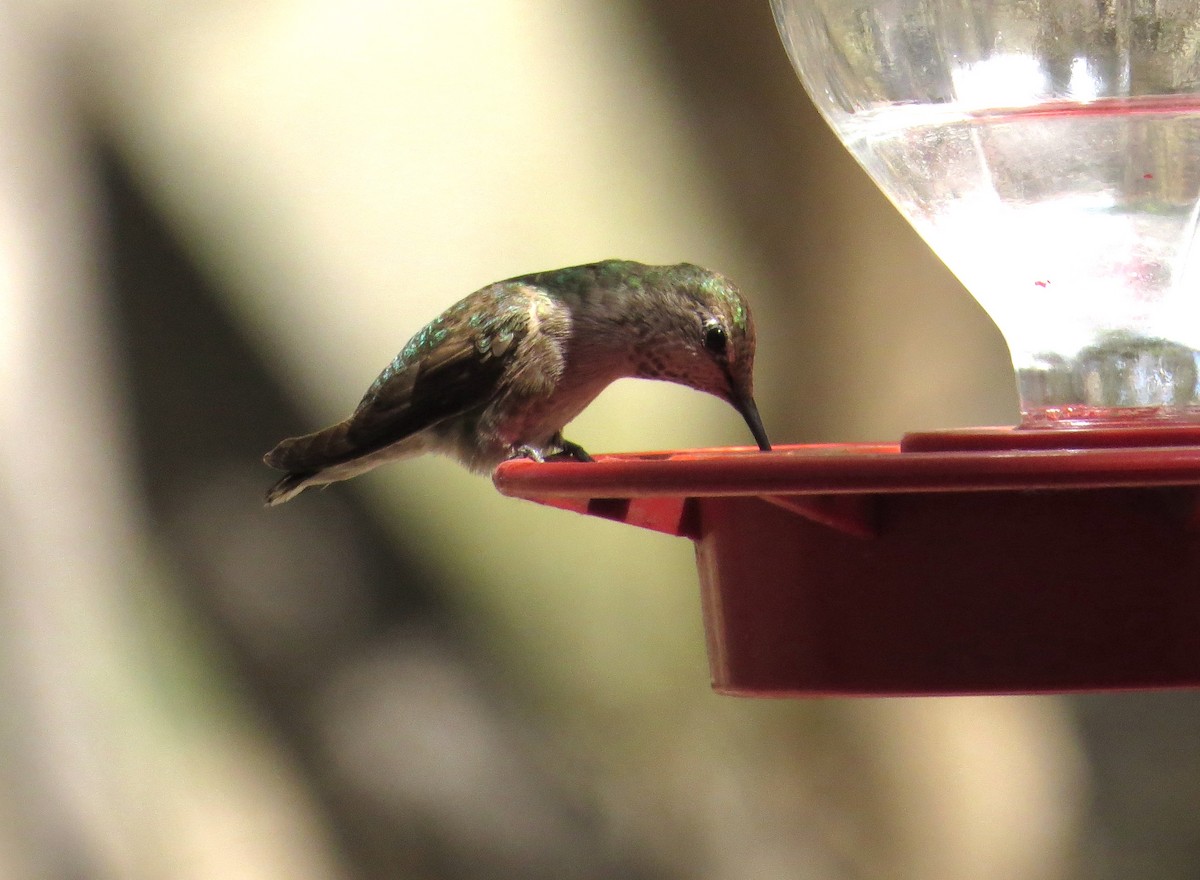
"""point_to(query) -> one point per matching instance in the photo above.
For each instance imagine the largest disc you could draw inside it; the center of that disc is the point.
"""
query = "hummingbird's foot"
(565, 449)
(574, 450)
(528, 452)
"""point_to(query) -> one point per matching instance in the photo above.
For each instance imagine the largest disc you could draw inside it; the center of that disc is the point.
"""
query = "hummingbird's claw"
(565, 449)
(574, 450)
(530, 453)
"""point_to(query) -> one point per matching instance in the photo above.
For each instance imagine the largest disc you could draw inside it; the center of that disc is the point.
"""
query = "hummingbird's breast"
(576, 355)
(535, 419)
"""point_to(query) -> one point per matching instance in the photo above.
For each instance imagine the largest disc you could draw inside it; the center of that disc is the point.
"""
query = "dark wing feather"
(452, 377)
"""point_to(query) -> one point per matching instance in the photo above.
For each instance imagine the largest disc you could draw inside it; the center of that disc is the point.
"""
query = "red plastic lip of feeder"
(822, 469)
(991, 560)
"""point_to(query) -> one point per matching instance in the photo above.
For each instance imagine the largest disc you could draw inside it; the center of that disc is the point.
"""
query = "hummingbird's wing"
(458, 372)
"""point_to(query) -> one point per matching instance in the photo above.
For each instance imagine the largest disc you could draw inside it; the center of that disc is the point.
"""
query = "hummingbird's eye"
(714, 338)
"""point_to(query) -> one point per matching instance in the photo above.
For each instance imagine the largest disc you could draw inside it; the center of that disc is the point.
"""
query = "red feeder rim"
(937, 565)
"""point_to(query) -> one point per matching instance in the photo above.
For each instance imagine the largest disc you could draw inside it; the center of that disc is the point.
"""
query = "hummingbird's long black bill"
(748, 409)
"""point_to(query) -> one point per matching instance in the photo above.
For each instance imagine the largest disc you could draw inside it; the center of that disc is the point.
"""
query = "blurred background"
(218, 221)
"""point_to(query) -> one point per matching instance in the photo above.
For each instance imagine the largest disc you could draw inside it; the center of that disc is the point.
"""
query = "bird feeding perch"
(937, 566)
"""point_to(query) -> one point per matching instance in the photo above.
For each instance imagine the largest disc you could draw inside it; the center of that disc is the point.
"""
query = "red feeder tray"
(962, 562)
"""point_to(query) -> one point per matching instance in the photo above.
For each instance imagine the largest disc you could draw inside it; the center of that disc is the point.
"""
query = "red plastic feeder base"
(985, 561)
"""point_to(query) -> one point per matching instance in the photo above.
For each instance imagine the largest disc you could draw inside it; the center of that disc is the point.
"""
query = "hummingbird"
(497, 375)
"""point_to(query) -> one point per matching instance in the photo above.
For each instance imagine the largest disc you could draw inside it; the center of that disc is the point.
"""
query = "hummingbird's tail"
(304, 459)
(328, 456)
(288, 488)
(312, 452)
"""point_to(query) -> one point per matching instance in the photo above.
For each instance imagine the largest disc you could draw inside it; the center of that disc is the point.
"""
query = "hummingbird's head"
(708, 343)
